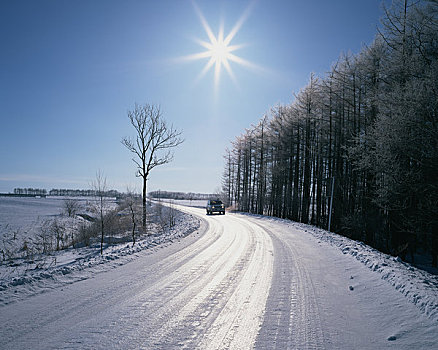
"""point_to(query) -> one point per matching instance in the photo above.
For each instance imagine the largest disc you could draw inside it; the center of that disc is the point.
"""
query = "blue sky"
(70, 71)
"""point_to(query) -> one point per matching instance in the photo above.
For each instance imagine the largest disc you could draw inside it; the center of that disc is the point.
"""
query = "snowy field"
(31, 226)
(19, 213)
(23, 216)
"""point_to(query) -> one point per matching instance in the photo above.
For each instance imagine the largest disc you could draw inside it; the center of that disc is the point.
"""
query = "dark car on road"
(215, 206)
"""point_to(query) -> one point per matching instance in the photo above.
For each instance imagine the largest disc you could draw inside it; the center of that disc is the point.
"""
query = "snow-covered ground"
(26, 223)
(237, 282)
(24, 215)
(196, 203)
(418, 286)
(21, 277)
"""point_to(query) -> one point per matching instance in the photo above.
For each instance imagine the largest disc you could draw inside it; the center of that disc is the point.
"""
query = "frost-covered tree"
(370, 127)
(404, 155)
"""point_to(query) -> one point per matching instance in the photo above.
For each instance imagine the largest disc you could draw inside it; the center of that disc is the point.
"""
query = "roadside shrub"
(71, 207)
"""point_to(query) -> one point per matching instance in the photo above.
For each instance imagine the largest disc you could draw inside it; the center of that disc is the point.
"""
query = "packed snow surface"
(236, 282)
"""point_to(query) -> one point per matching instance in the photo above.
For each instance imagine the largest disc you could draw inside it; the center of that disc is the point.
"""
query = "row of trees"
(63, 192)
(30, 191)
(82, 193)
(357, 150)
(181, 195)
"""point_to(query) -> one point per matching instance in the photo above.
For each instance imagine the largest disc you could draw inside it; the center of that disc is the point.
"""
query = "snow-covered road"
(243, 282)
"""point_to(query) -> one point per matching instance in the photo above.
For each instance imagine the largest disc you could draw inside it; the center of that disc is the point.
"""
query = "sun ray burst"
(219, 49)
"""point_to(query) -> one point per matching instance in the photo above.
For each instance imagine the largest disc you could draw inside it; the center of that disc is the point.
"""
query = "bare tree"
(131, 203)
(100, 187)
(152, 144)
(71, 207)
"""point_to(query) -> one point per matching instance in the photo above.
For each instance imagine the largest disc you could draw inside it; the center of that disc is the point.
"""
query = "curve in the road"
(243, 282)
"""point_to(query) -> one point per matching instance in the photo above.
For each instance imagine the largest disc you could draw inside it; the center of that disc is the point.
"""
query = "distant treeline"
(30, 192)
(357, 150)
(181, 195)
(62, 192)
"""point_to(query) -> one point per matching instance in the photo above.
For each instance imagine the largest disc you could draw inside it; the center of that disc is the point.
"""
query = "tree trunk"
(295, 204)
(144, 203)
(307, 174)
(101, 221)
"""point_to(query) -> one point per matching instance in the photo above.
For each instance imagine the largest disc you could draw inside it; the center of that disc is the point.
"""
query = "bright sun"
(219, 50)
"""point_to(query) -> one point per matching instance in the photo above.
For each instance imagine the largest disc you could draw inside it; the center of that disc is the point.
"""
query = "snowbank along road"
(241, 282)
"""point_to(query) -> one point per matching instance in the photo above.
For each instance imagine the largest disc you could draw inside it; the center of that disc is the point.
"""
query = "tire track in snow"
(292, 314)
(238, 324)
(226, 312)
(212, 268)
(214, 300)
